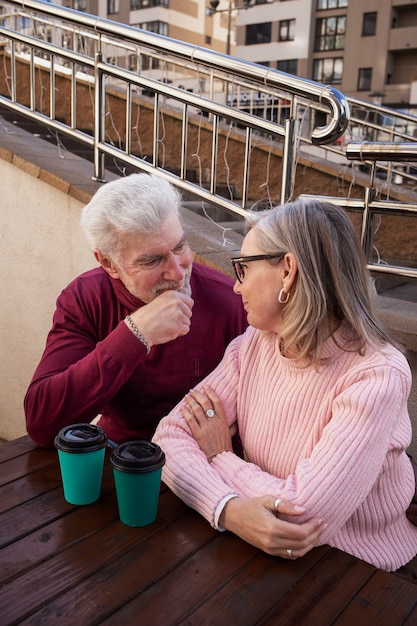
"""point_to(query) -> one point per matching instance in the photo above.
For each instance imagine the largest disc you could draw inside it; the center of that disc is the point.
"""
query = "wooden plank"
(385, 600)
(23, 489)
(25, 464)
(23, 519)
(411, 619)
(105, 571)
(16, 447)
(47, 476)
(173, 597)
(254, 590)
(27, 553)
(322, 594)
(35, 513)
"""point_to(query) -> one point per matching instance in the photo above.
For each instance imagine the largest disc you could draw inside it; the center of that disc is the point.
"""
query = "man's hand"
(165, 318)
(256, 521)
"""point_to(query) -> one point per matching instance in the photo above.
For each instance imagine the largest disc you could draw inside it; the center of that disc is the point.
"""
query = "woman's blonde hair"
(332, 283)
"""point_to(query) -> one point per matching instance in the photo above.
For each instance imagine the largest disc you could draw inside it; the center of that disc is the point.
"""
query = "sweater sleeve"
(352, 452)
(187, 471)
(78, 374)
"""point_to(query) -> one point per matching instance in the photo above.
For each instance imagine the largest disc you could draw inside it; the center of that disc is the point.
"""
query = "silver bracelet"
(138, 334)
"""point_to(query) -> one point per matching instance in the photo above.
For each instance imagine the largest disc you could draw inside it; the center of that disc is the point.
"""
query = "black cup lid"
(81, 437)
(137, 456)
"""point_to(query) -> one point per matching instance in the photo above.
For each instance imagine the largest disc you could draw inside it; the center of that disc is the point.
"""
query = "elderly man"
(132, 336)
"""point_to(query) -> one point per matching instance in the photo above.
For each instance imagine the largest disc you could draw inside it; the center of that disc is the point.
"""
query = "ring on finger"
(277, 503)
(289, 552)
(210, 413)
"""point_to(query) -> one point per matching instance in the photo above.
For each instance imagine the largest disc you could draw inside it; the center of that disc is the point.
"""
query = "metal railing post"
(99, 120)
(288, 161)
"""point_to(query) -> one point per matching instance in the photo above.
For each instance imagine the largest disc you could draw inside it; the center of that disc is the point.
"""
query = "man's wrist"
(135, 330)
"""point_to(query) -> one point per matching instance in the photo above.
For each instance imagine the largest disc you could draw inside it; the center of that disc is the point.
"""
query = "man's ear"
(107, 264)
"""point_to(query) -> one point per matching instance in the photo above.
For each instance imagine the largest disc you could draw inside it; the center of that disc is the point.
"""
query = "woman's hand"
(256, 521)
(205, 416)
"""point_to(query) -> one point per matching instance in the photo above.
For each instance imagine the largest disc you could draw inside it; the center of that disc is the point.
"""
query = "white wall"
(42, 249)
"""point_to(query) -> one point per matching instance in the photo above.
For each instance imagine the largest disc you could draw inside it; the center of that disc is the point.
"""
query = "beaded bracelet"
(138, 334)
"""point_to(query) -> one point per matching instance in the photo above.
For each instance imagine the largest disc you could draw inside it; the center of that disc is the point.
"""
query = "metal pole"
(288, 161)
(99, 121)
(229, 28)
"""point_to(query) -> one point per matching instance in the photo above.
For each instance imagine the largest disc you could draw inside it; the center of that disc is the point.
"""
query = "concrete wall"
(42, 249)
(42, 191)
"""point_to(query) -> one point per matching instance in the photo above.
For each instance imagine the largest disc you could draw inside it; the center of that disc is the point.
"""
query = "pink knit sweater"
(332, 439)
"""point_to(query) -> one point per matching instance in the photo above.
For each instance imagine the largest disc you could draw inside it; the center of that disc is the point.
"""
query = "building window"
(80, 5)
(330, 33)
(369, 24)
(133, 62)
(258, 33)
(364, 78)
(112, 6)
(161, 28)
(146, 4)
(286, 30)
(290, 66)
(148, 63)
(328, 71)
(323, 5)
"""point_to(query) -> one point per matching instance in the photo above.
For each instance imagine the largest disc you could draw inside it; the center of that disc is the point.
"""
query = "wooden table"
(61, 564)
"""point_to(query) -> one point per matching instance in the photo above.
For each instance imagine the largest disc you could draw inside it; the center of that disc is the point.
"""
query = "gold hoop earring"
(280, 298)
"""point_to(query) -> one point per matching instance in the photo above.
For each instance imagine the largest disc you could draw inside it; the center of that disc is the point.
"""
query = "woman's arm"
(188, 473)
(256, 521)
(345, 463)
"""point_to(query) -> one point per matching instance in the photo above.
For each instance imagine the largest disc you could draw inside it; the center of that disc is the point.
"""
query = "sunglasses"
(239, 264)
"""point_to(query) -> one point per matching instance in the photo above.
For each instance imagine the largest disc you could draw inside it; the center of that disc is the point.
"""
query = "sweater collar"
(124, 296)
(332, 348)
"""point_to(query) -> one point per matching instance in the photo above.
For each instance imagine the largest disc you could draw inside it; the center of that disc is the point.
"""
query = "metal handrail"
(325, 95)
(253, 100)
(102, 32)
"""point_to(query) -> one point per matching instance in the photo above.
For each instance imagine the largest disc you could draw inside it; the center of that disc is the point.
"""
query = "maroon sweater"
(94, 364)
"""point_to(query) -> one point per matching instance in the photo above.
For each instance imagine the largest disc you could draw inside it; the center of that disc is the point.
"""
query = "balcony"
(404, 38)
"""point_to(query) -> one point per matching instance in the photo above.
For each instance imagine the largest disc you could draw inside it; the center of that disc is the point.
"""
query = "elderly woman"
(318, 392)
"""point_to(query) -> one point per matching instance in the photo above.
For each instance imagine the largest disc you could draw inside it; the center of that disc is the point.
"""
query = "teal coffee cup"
(137, 468)
(81, 449)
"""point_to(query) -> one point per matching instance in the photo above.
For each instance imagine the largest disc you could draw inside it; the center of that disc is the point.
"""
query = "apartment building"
(185, 20)
(367, 50)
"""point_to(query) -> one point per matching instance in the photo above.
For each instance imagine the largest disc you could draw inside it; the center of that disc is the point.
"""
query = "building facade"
(367, 50)
(185, 20)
